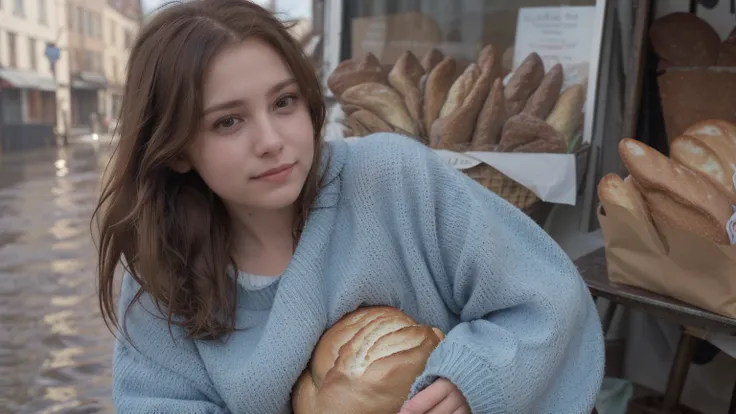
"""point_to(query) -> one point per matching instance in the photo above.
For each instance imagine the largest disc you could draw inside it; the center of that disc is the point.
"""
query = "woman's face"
(255, 146)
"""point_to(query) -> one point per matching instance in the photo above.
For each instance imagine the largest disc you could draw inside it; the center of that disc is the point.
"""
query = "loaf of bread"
(523, 129)
(718, 135)
(404, 77)
(438, 84)
(676, 196)
(383, 101)
(623, 193)
(684, 39)
(543, 99)
(489, 60)
(353, 72)
(460, 90)
(727, 54)
(567, 114)
(432, 58)
(491, 119)
(523, 82)
(699, 157)
(372, 122)
(365, 364)
(456, 128)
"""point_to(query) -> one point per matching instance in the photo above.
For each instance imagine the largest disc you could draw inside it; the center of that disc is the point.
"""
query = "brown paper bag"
(685, 267)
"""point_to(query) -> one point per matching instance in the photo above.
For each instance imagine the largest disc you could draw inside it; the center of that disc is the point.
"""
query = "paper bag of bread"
(665, 226)
(365, 364)
(697, 71)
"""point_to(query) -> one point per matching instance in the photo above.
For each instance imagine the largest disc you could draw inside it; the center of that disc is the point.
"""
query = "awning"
(89, 81)
(25, 79)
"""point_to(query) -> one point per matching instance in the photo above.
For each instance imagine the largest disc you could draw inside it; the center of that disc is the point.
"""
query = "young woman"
(245, 236)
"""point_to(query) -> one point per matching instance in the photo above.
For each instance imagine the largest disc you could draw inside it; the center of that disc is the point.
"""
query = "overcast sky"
(292, 8)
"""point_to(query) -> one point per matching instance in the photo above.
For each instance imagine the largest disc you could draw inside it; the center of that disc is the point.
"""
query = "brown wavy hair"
(169, 230)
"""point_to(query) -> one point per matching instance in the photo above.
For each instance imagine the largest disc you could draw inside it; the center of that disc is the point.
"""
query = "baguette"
(438, 84)
(383, 101)
(456, 128)
(542, 101)
(431, 59)
(676, 196)
(460, 90)
(354, 72)
(623, 192)
(685, 39)
(371, 121)
(718, 135)
(567, 114)
(523, 129)
(543, 146)
(349, 109)
(491, 119)
(488, 60)
(523, 82)
(699, 157)
(365, 364)
(405, 77)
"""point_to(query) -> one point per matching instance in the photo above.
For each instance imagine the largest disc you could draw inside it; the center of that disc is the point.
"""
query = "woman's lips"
(276, 174)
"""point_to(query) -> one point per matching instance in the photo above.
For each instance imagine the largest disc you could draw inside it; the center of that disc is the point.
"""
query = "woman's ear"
(181, 165)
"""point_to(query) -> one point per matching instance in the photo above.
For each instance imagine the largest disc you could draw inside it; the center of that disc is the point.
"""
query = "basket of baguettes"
(670, 225)
(461, 107)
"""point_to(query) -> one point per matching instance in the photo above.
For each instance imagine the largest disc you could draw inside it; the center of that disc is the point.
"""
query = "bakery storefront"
(534, 99)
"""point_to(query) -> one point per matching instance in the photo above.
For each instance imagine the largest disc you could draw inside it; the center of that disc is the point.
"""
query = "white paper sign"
(552, 177)
(558, 34)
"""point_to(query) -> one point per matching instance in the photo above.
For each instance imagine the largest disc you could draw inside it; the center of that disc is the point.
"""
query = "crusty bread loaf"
(542, 101)
(523, 82)
(614, 190)
(438, 84)
(349, 109)
(727, 54)
(685, 39)
(718, 135)
(699, 157)
(489, 60)
(432, 58)
(676, 196)
(567, 114)
(404, 77)
(523, 129)
(353, 72)
(365, 364)
(356, 128)
(491, 119)
(457, 128)
(383, 101)
(372, 122)
(460, 90)
(542, 146)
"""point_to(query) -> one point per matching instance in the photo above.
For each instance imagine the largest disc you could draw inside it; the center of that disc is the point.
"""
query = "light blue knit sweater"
(393, 226)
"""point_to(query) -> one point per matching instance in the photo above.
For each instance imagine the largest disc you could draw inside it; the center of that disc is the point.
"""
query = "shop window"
(12, 50)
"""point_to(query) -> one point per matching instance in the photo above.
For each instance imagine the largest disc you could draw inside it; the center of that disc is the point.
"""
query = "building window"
(32, 54)
(114, 68)
(113, 30)
(80, 20)
(12, 50)
(43, 17)
(70, 16)
(19, 9)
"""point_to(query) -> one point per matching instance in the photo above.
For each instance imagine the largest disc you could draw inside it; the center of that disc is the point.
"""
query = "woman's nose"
(269, 139)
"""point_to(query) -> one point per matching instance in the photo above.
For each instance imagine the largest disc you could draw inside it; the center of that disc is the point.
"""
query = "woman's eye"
(227, 123)
(285, 101)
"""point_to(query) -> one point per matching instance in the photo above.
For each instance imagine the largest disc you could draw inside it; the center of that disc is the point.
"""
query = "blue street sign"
(52, 53)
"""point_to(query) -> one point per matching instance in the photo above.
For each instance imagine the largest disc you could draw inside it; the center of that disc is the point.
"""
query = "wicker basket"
(515, 193)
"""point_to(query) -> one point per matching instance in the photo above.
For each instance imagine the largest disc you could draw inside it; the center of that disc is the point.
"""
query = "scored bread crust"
(438, 84)
(491, 119)
(543, 99)
(623, 192)
(383, 101)
(365, 364)
(701, 158)
(523, 82)
(405, 77)
(675, 195)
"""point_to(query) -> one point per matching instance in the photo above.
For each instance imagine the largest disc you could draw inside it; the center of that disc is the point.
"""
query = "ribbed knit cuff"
(459, 365)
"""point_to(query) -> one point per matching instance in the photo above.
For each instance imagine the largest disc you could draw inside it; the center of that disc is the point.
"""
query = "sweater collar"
(334, 156)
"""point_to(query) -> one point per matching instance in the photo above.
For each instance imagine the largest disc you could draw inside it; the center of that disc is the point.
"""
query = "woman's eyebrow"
(281, 85)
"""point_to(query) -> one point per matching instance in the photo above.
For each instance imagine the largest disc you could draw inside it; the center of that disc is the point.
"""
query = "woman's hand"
(442, 397)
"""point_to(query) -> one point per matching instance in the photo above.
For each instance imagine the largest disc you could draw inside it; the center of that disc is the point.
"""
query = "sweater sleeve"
(153, 373)
(529, 338)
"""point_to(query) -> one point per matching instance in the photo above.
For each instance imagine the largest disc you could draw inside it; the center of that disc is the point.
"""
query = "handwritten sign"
(558, 35)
